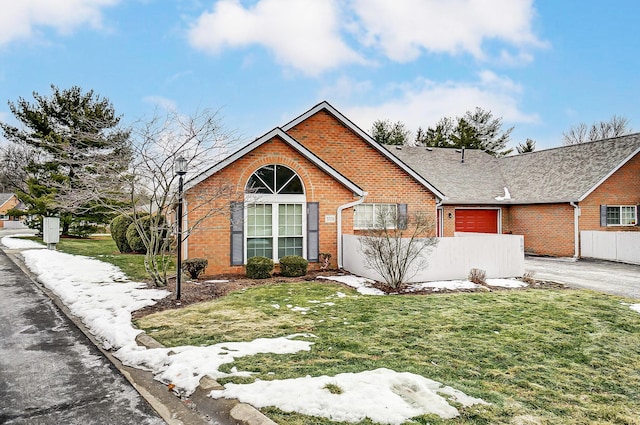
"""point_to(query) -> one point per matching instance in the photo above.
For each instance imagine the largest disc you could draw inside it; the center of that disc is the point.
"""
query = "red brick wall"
(622, 188)
(337, 146)
(548, 229)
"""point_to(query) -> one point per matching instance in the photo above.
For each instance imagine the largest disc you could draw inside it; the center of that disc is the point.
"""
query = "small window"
(375, 216)
(622, 215)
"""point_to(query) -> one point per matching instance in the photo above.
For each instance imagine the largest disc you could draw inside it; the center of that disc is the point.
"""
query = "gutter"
(576, 228)
(339, 224)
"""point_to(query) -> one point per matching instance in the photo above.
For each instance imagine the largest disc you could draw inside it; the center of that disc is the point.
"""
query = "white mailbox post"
(51, 231)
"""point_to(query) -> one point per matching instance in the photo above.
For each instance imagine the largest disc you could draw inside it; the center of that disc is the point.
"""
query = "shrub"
(259, 267)
(478, 276)
(119, 227)
(133, 237)
(195, 266)
(293, 266)
(134, 240)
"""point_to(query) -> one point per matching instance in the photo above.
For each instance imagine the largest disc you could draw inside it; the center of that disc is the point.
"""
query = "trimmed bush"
(133, 237)
(118, 228)
(134, 240)
(259, 267)
(195, 266)
(293, 266)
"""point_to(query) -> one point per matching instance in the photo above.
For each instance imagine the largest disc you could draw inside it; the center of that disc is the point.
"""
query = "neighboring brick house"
(551, 195)
(297, 189)
(7, 202)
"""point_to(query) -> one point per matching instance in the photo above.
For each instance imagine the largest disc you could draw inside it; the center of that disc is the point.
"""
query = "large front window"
(275, 219)
(621, 215)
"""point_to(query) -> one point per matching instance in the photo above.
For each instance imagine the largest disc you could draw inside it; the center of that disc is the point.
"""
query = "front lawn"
(539, 356)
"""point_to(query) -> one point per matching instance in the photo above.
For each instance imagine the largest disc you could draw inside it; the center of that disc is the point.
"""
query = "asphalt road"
(602, 276)
(50, 373)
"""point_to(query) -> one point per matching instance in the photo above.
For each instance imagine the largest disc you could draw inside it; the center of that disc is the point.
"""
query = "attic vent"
(399, 148)
(429, 149)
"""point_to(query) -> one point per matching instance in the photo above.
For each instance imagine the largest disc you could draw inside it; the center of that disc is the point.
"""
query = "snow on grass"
(361, 284)
(635, 307)
(450, 285)
(14, 242)
(506, 283)
(185, 366)
(103, 298)
(383, 395)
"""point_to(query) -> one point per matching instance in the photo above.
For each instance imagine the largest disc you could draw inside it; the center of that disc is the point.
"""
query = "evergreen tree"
(475, 130)
(528, 146)
(388, 133)
(65, 134)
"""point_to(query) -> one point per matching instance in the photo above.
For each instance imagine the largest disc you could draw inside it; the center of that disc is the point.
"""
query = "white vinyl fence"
(500, 256)
(13, 225)
(613, 246)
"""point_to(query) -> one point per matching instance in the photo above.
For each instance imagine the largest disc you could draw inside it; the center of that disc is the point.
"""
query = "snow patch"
(382, 395)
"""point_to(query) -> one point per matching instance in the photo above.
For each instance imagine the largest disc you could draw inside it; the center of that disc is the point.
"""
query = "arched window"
(275, 219)
(275, 179)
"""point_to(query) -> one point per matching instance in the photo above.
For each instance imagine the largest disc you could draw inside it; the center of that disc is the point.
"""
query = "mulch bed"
(192, 292)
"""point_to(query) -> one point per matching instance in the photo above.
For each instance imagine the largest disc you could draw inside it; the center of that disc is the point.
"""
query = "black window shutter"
(313, 232)
(603, 216)
(637, 215)
(402, 216)
(237, 233)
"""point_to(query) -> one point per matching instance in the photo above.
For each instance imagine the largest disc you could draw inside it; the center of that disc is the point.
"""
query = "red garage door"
(477, 221)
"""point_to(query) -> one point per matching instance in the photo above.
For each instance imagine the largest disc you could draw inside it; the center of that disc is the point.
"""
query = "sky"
(543, 66)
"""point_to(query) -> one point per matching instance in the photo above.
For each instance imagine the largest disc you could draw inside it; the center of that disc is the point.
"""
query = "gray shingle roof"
(563, 174)
(4, 197)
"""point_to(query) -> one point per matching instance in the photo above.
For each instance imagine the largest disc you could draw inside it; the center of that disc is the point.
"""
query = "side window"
(375, 216)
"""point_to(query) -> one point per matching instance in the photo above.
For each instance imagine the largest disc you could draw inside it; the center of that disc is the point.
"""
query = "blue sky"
(543, 66)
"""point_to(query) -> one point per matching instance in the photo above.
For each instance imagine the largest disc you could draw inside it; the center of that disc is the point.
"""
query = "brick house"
(7, 201)
(297, 189)
(547, 196)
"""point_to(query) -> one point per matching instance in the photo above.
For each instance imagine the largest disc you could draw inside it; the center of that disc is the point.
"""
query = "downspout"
(576, 228)
(439, 224)
(339, 224)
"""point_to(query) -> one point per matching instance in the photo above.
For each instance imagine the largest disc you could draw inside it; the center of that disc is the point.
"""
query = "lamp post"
(180, 168)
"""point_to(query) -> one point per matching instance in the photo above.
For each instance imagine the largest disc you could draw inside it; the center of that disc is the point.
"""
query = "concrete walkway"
(602, 276)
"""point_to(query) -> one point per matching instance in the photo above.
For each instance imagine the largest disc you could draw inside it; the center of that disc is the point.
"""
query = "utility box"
(51, 231)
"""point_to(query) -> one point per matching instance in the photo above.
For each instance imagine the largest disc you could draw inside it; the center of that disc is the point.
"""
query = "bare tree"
(395, 246)
(147, 188)
(582, 133)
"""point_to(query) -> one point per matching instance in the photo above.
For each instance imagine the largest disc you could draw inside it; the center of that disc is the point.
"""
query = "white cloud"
(302, 34)
(162, 103)
(22, 19)
(423, 102)
(403, 28)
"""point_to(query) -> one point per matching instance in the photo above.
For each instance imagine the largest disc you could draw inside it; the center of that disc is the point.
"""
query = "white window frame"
(371, 225)
(275, 201)
(620, 208)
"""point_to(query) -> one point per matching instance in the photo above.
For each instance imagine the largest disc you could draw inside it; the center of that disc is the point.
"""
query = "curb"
(243, 413)
(198, 409)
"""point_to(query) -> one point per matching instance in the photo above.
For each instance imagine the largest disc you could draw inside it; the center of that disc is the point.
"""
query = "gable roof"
(563, 174)
(276, 132)
(325, 106)
(5, 197)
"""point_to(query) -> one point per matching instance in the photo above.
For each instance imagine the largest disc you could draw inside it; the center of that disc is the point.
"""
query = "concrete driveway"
(603, 276)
